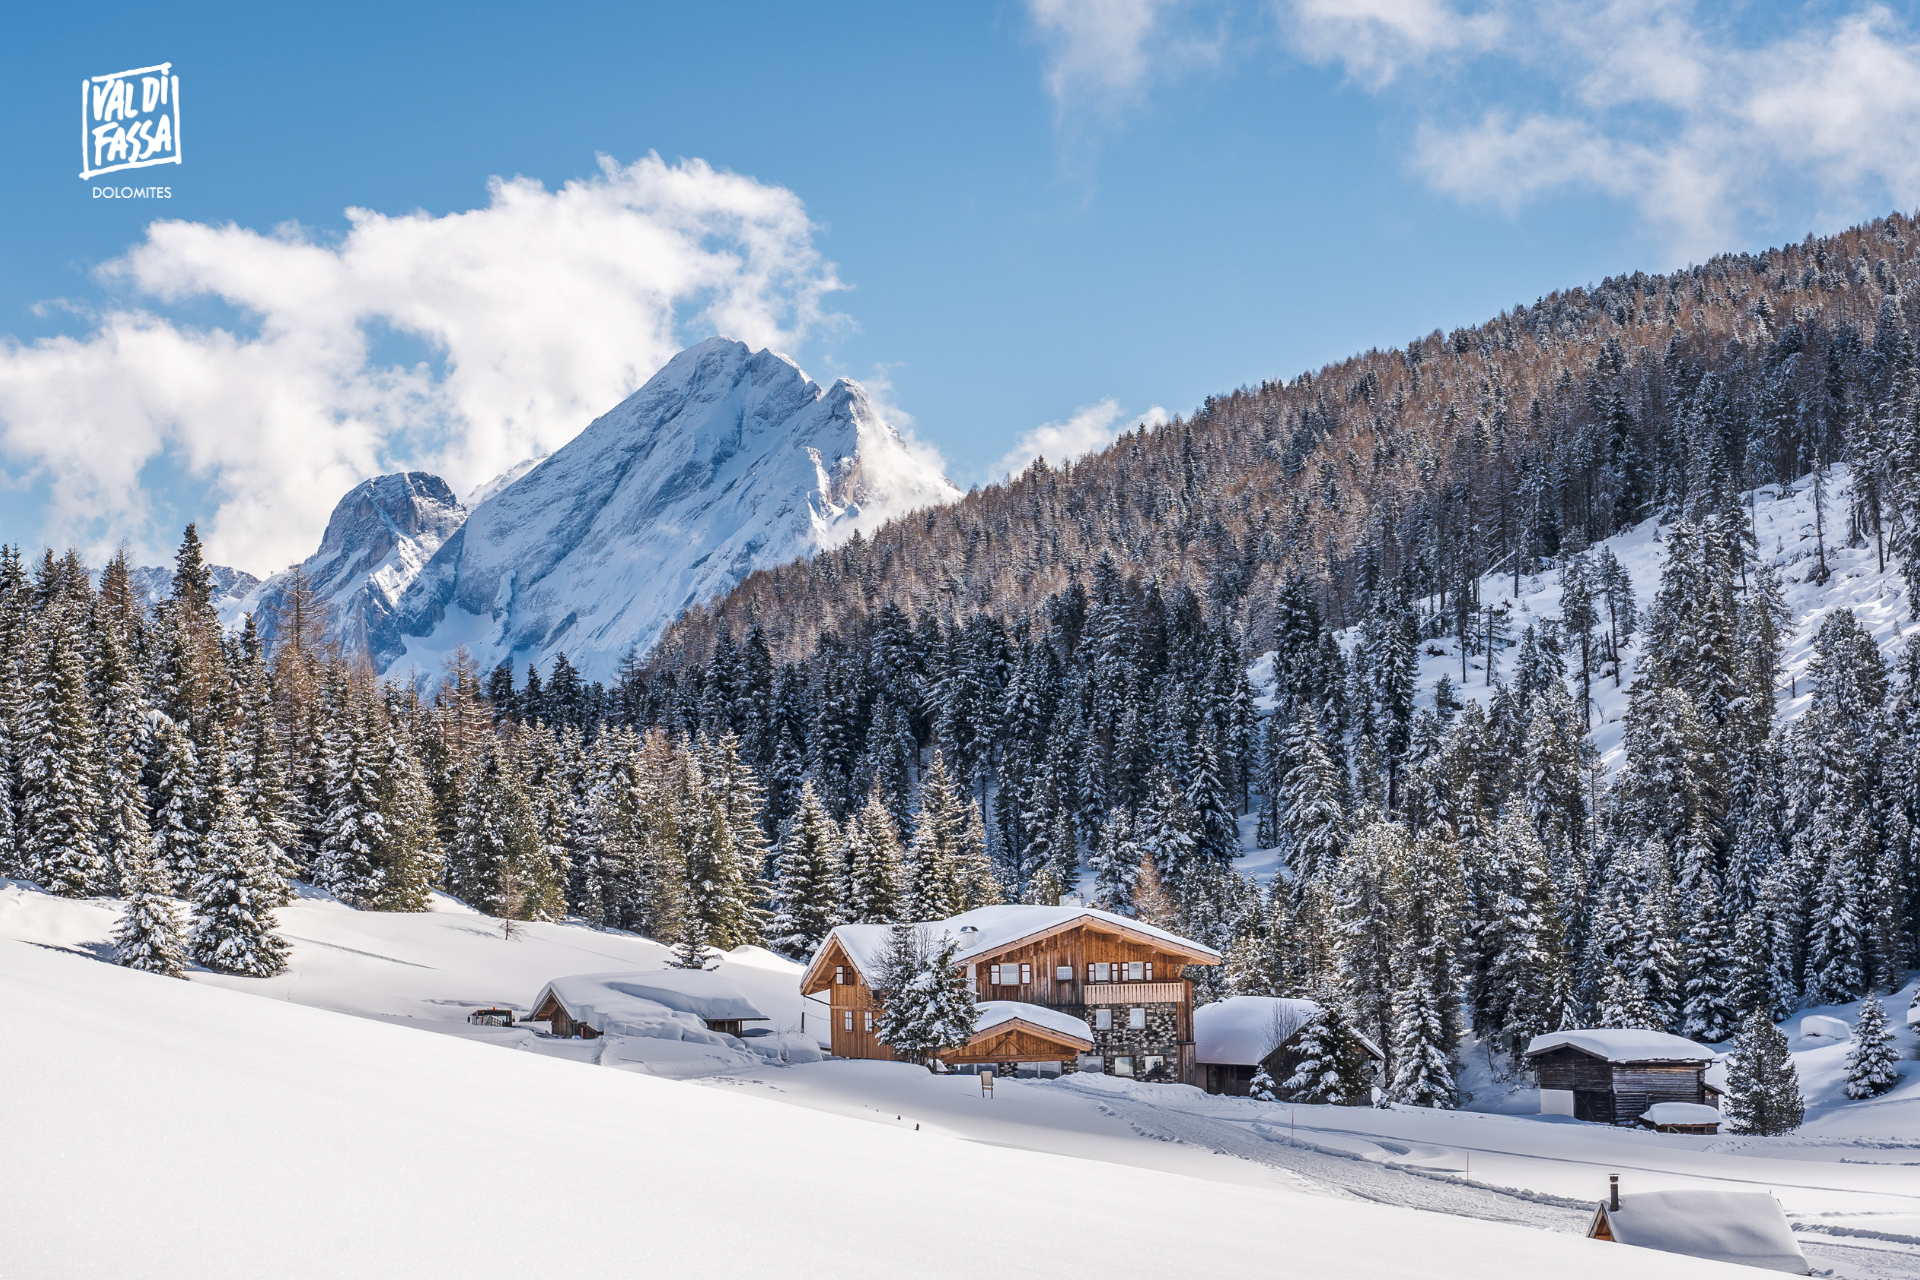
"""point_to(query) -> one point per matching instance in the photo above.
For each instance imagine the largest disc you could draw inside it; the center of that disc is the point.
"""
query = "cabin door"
(1592, 1104)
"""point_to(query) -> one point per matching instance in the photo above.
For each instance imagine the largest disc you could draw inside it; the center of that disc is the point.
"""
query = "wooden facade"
(564, 1025)
(1619, 1092)
(1236, 1080)
(1088, 967)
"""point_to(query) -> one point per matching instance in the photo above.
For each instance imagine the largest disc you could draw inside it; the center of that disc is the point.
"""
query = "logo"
(129, 120)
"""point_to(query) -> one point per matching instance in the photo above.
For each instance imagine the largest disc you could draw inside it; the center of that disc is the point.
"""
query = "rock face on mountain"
(379, 537)
(726, 461)
(232, 588)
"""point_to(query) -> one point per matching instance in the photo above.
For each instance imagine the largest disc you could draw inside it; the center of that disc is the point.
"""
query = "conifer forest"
(1115, 677)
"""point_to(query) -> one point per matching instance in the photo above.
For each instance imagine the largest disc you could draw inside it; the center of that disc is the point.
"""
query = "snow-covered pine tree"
(927, 1004)
(1115, 862)
(174, 800)
(411, 858)
(934, 886)
(1522, 988)
(1763, 1089)
(1312, 820)
(874, 865)
(352, 826)
(1262, 1088)
(1425, 1025)
(806, 890)
(235, 892)
(149, 935)
(1362, 914)
(1872, 1061)
(1165, 829)
(59, 779)
(1707, 1015)
(1153, 902)
(719, 901)
(1331, 1065)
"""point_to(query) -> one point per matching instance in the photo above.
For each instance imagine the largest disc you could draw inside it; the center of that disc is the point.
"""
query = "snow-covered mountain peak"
(727, 460)
(380, 535)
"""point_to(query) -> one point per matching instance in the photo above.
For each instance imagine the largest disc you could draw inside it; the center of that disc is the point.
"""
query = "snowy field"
(162, 1128)
(236, 1113)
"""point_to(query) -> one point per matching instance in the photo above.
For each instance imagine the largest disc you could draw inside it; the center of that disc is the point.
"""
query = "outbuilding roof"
(986, 930)
(603, 999)
(1742, 1227)
(993, 1016)
(1243, 1030)
(1614, 1045)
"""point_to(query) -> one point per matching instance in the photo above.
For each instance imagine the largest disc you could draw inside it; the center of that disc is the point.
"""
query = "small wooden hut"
(1612, 1076)
(1746, 1228)
(1235, 1037)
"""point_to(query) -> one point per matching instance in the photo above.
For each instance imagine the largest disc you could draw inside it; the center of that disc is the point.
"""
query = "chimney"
(1613, 1191)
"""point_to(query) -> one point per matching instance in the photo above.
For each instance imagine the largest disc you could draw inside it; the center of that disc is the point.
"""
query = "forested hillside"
(1422, 467)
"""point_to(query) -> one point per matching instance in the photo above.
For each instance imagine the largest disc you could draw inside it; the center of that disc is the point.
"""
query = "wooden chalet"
(1235, 1037)
(1060, 989)
(1614, 1076)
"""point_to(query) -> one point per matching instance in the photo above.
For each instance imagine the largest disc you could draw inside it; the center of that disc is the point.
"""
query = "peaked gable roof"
(1613, 1045)
(986, 931)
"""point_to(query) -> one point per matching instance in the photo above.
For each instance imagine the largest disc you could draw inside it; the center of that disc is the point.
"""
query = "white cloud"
(542, 310)
(1091, 427)
(1374, 39)
(1102, 55)
(1664, 106)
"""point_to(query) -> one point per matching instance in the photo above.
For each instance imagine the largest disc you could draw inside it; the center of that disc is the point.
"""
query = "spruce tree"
(59, 780)
(1331, 1066)
(235, 893)
(1262, 1088)
(927, 1004)
(1115, 863)
(149, 934)
(1871, 1062)
(874, 865)
(806, 894)
(1312, 821)
(1763, 1089)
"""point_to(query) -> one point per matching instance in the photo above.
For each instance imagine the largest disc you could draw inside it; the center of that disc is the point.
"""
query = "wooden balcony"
(1135, 993)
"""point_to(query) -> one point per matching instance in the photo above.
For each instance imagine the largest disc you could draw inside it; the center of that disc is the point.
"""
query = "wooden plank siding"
(1618, 1092)
(1076, 949)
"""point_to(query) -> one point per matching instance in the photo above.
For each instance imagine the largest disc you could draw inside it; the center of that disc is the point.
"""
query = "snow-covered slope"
(378, 539)
(172, 1129)
(1783, 523)
(726, 461)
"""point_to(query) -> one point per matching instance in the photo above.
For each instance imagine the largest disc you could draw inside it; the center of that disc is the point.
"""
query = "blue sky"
(1025, 224)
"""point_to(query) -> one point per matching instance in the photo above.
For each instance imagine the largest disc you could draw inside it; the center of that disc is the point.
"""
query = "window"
(869, 1022)
(1154, 1067)
(1123, 1066)
(840, 974)
(1149, 971)
(849, 1017)
(1036, 1070)
(1100, 973)
(1136, 971)
(1137, 1018)
(1026, 973)
(1063, 973)
(1092, 1062)
(1008, 975)
(1103, 1019)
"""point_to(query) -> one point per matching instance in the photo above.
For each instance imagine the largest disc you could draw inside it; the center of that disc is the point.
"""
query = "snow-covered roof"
(1742, 1227)
(1243, 1030)
(1624, 1046)
(988, 929)
(629, 997)
(994, 1013)
(1681, 1113)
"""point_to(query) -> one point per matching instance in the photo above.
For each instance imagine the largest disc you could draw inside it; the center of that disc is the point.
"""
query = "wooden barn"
(1093, 991)
(1237, 1036)
(1613, 1076)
